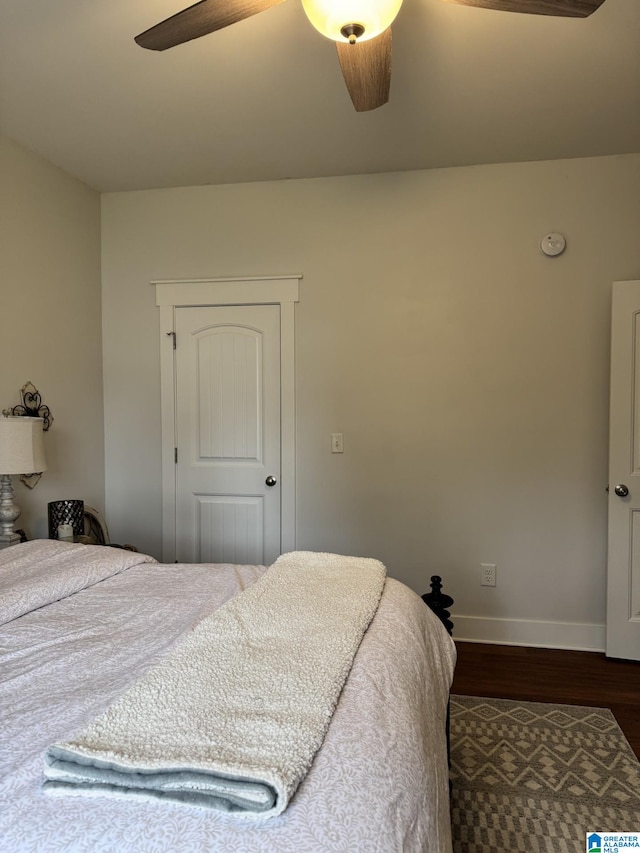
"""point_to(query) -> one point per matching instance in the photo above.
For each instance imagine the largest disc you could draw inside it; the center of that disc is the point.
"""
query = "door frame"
(622, 618)
(212, 292)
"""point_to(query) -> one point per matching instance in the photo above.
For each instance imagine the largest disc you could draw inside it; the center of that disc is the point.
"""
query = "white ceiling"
(264, 99)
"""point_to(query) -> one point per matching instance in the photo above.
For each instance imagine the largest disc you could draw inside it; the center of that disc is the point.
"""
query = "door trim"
(623, 579)
(265, 290)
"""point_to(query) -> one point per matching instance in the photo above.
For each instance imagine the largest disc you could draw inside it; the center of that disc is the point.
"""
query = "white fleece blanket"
(233, 717)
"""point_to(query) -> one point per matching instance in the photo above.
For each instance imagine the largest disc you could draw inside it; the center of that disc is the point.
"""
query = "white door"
(227, 418)
(623, 566)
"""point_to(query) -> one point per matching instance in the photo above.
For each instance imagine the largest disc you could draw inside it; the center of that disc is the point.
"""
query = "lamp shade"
(21, 446)
(330, 17)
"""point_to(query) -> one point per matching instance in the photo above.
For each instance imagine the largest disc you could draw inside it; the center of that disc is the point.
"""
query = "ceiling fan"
(360, 28)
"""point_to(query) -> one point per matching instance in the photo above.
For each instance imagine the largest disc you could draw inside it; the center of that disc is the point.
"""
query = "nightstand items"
(66, 519)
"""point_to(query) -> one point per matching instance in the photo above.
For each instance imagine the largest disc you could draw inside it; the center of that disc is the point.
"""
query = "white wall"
(50, 324)
(467, 371)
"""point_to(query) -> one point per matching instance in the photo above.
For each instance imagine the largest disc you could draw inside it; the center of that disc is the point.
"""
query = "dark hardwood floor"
(551, 675)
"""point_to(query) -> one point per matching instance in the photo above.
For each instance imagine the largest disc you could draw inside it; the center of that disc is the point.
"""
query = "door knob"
(621, 490)
(271, 481)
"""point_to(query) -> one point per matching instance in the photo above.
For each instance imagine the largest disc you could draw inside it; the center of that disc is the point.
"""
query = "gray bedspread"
(378, 783)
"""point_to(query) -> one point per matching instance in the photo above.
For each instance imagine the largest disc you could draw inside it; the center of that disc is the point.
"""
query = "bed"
(80, 633)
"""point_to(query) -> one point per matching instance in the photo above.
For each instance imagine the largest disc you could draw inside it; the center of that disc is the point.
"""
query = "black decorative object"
(31, 406)
(439, 602)
(67, 513)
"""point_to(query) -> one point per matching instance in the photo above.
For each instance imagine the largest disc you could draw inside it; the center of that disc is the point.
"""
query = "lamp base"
(9, 511)
(8, 539)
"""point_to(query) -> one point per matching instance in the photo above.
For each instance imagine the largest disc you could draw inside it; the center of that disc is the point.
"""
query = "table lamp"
(21, 452)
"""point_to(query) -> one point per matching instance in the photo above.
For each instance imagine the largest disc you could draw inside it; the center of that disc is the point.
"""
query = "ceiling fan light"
(331, 17)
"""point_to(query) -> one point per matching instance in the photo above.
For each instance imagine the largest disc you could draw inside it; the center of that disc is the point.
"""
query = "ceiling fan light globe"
(330, 17)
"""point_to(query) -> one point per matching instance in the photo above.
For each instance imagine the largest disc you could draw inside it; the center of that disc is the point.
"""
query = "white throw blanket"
(234, 716)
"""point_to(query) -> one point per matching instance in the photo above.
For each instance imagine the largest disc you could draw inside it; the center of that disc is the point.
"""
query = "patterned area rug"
(529, 776)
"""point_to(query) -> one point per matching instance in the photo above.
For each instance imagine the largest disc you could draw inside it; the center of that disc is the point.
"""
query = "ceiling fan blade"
(200, 20)
(366, 68)
(558, 8)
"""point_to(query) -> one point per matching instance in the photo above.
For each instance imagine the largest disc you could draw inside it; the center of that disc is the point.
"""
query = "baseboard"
(523, 632)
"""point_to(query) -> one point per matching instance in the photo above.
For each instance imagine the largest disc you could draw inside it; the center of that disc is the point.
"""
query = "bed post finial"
(439, 602)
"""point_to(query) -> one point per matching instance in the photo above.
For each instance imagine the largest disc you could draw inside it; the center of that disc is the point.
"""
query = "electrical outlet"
(487, 574)
(337, 444)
